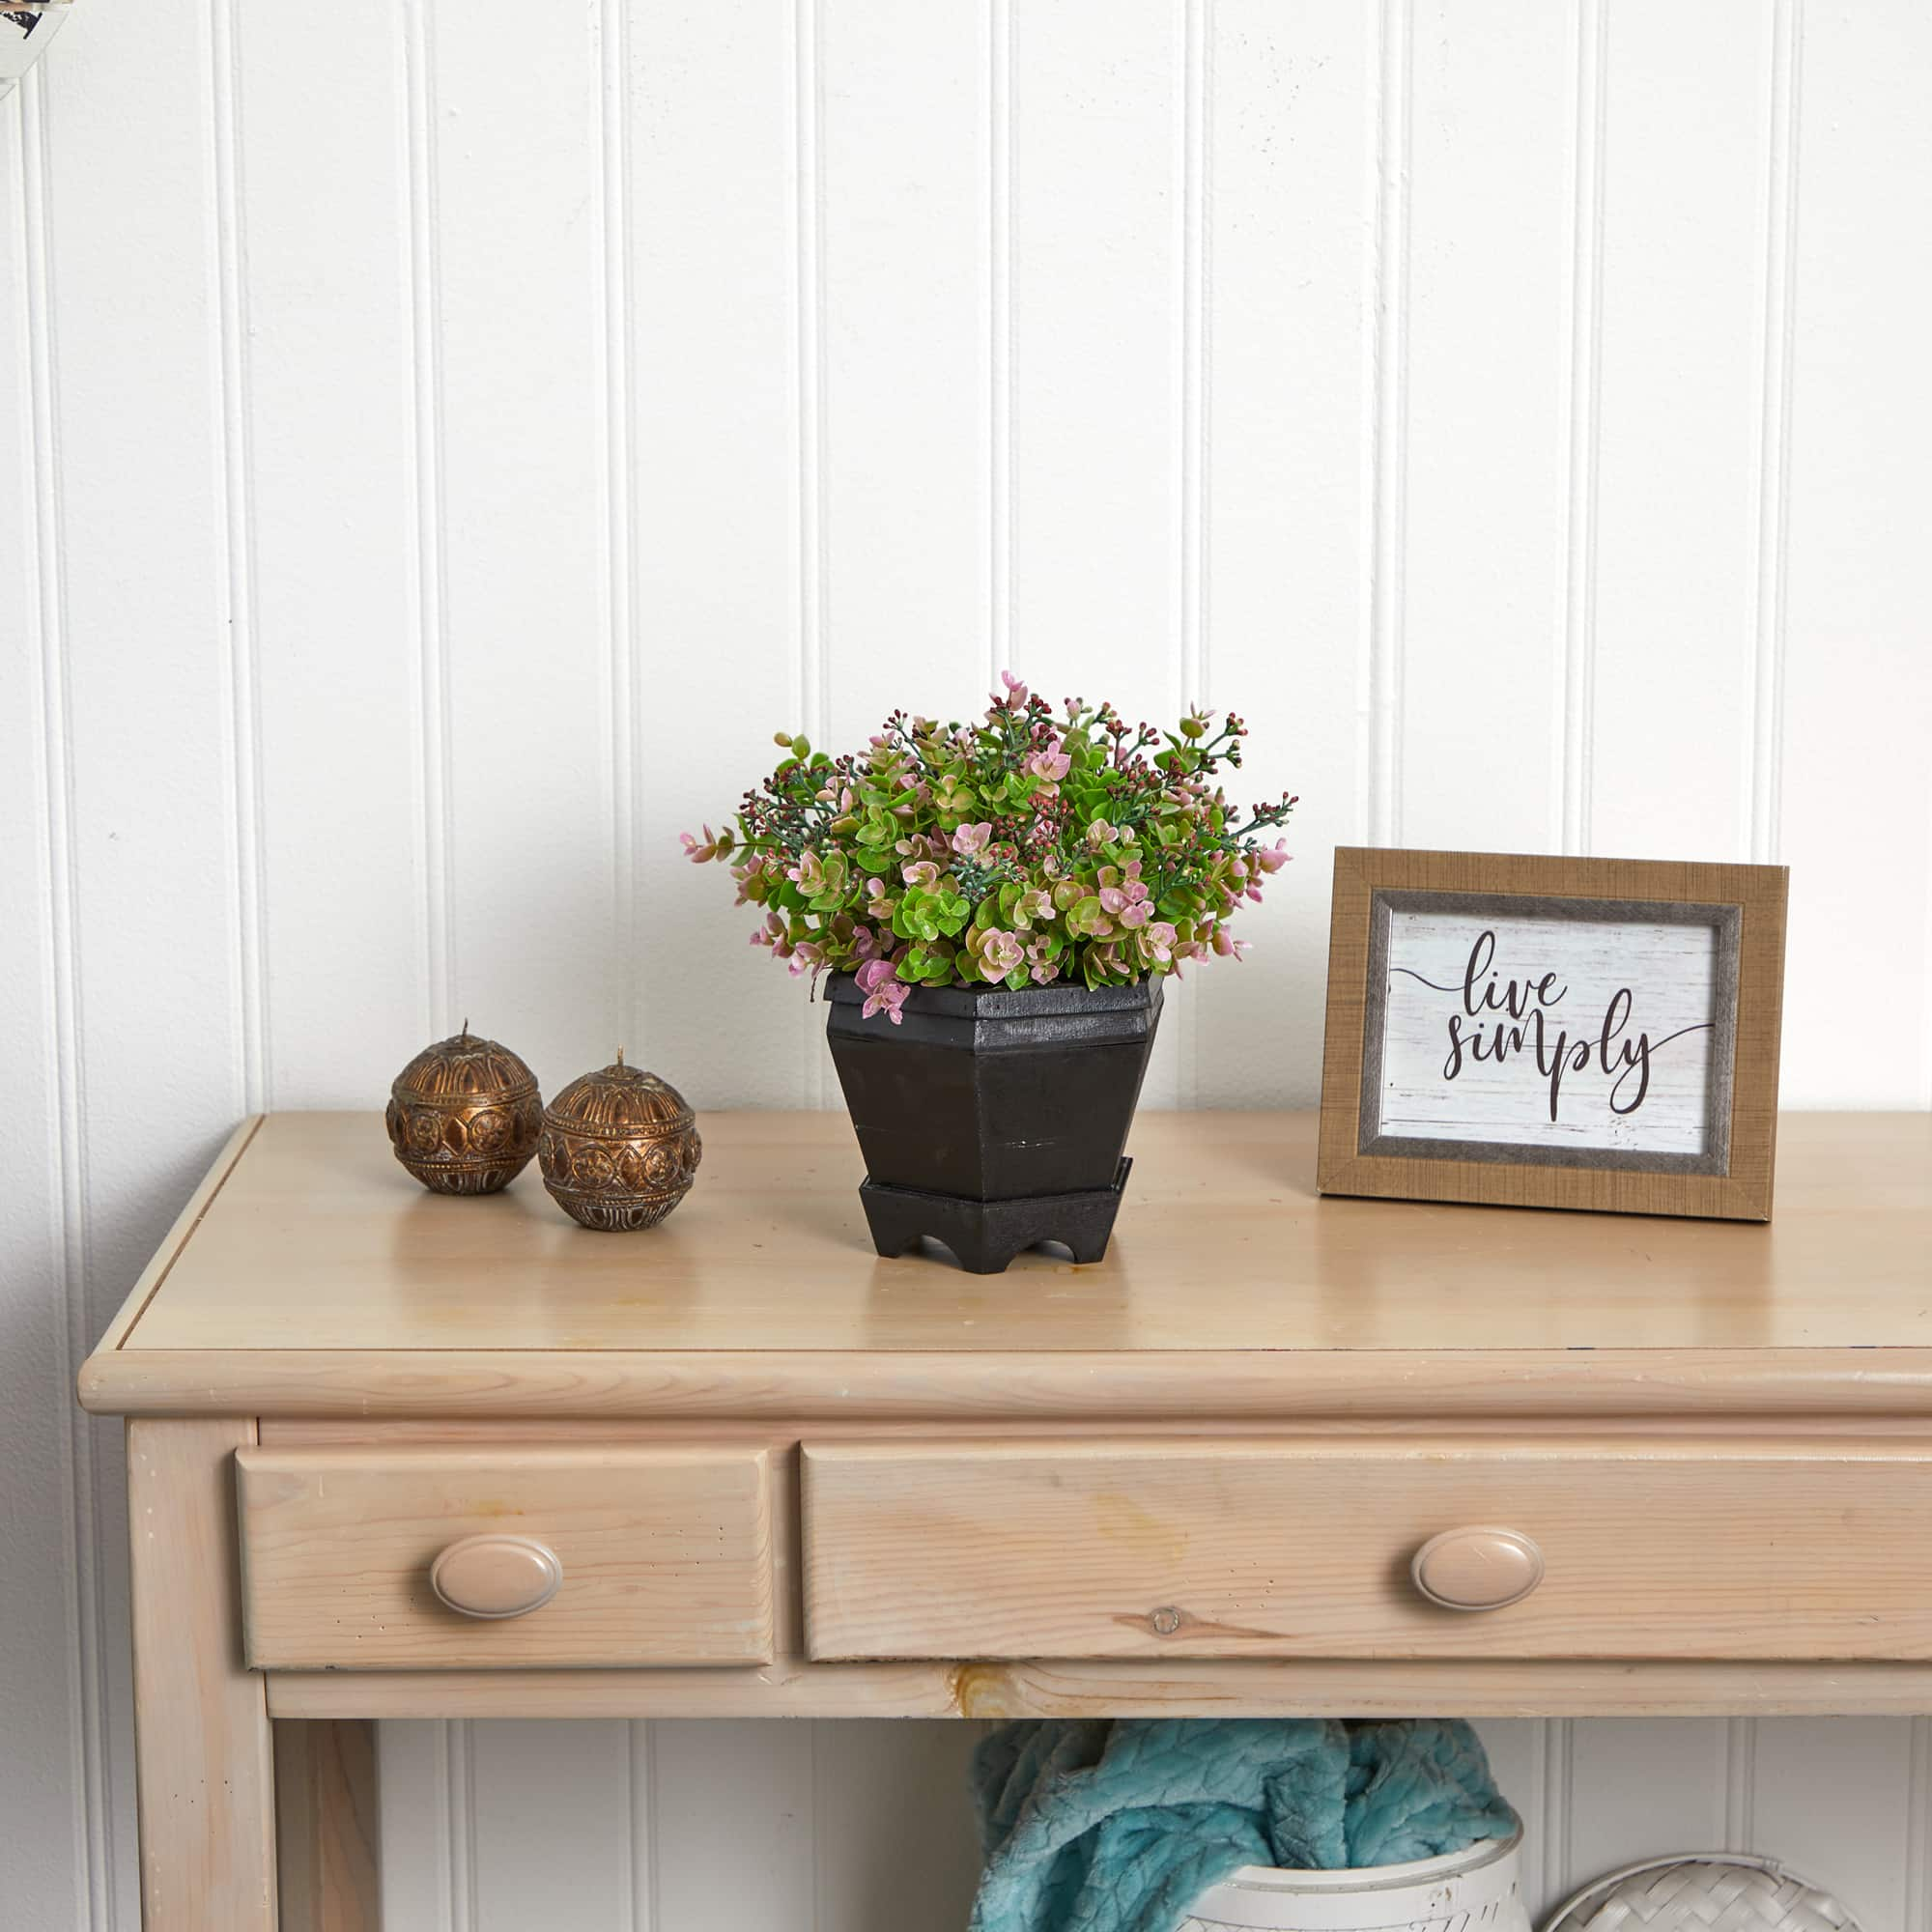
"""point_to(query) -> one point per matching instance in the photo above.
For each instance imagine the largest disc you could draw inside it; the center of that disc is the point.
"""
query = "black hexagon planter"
(991, 1119)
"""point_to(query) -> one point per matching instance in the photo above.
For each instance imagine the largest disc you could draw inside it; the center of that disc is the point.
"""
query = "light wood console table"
(780, 1476)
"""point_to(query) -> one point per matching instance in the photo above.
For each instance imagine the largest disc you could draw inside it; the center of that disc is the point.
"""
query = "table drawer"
(650, 1556)
(1287, 1548)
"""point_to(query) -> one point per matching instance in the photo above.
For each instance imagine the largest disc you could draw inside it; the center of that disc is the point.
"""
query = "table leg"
(201, 1720)
(325, 1826)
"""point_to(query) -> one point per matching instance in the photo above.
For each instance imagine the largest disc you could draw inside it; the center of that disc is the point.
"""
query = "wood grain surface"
(201, 1720)
(1212, 1688)
(665, 1555)
(321, 1279)
(1655, 1547)
(326, 1826)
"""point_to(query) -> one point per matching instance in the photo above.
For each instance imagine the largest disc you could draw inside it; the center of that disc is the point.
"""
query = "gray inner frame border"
(1725, 920)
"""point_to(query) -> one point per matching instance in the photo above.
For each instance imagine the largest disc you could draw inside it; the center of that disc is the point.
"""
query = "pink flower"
(971, 840)
(922, 872)
(1227, 946)
(877, 905)
(1272, 857)
(999, 953)
(1016, 694)
(1039, 965)
(698, 852)
(1052, 764)
(1160, 940)
(883, 994)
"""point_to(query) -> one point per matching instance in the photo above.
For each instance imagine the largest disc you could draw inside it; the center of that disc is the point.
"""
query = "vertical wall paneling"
(1641, 1788)
(617, 406)
(432, 799)
(520, 254)
(423, 492)
(1479, 600)
(641, 1793)
(812, 565)
(1688, 110)
(1854, 824)
(997, 82)
(1583, 334)
(1388, 385)
(322, 236)
(808, 315)
(1290, 138)
(1556, 1764)
(1781, 261)
(155, 1075)
(1197, 148)
(244, 731)
(1191, 580)
(456, 1776)
(1735, 1824)
(712, 354)
(1915, 1879)
(1830, 1802)
(711, 1780)
(412, 1782)
(48, 1683)
(1097, 309)
(553, 1807)
(896, 1846)
(903, 161)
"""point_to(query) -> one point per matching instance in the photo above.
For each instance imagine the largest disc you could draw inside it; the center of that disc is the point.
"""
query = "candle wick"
(620, 1056)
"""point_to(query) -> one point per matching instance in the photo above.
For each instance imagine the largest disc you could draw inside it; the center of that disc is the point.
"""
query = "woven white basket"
(1706, 1891)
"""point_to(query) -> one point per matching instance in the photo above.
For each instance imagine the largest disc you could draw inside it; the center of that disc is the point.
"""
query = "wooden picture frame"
(1452, 1026)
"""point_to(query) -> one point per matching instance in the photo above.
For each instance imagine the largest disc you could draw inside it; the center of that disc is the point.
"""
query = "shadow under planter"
(993, 1120)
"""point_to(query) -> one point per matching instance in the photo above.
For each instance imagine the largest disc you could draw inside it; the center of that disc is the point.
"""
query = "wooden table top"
(311, 1275)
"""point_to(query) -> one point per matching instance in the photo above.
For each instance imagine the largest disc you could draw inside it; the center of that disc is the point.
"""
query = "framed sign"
(1553, 1032)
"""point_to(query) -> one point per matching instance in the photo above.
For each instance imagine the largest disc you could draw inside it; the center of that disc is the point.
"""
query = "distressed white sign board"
(1560, 1032)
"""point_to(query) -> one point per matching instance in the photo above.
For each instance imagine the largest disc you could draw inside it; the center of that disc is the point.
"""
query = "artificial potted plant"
(998, 905)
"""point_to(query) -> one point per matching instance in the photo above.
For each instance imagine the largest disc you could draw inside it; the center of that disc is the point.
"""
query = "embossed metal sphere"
(464, 1114)
(619, 1148)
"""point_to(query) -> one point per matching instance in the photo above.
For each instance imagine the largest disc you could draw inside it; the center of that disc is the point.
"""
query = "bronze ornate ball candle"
(620, 1147)
(464, 1114)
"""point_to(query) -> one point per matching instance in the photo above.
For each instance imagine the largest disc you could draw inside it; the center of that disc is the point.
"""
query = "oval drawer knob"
(1477, 1569)
(495, 1576)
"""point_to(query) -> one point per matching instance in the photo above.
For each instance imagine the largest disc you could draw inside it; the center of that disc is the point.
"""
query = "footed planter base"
(992, 1120)
(984, 1235)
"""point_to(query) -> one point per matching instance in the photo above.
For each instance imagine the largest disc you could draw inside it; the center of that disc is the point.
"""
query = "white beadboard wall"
(439, 442)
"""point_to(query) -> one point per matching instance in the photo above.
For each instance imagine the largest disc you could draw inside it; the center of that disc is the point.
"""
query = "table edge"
(890, 1384)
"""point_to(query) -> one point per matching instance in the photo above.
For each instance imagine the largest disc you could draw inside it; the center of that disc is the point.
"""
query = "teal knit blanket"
(1118, 1825)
